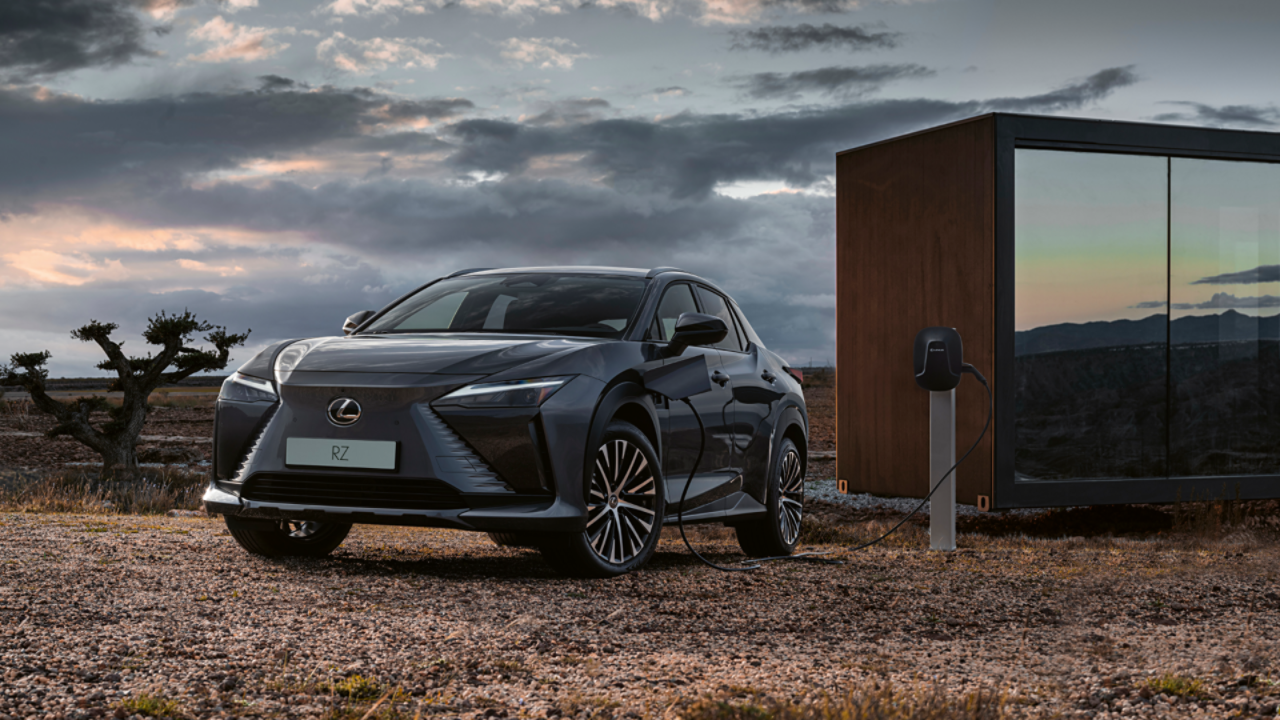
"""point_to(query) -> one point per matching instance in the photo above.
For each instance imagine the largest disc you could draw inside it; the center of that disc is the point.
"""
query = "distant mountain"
(1230, 326)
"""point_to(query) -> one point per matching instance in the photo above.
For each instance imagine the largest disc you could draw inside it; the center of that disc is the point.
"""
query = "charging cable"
(754, 563)
(702, 445)
(990, 402)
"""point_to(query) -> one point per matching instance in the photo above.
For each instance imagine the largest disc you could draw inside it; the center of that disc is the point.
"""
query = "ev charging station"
(942, 455)
(939, 366)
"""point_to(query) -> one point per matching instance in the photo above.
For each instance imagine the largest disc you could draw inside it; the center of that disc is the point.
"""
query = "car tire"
(626, 502)
(515, 539)
(778, 532)
(287, 538)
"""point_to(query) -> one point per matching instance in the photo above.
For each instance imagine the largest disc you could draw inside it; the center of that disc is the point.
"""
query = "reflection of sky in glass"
(1090, 236)
(1226, 222)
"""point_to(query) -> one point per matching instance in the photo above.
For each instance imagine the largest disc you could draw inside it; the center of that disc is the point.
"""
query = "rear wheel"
(287, 538)
(626, 501)
(778, 532)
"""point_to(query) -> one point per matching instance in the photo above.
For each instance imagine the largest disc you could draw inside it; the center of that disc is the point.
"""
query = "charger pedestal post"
(942, 456)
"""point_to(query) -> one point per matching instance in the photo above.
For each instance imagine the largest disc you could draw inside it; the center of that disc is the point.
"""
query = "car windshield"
(542, 303)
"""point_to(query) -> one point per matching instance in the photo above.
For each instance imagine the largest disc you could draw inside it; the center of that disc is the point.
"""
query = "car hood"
(443, 354)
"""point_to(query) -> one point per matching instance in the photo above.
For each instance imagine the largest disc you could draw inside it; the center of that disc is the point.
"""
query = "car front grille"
(390, 493)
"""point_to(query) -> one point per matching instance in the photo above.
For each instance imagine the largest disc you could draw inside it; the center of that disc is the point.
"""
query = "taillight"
(799, 376)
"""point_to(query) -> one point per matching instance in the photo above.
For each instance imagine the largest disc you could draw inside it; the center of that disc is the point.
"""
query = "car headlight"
(242, 388)
(289, 358)
(513, 393)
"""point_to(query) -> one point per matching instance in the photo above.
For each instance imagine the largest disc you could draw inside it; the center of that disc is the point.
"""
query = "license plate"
(363, 454)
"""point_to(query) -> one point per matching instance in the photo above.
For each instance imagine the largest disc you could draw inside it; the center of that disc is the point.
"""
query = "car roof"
(593, 270)
(576, 269)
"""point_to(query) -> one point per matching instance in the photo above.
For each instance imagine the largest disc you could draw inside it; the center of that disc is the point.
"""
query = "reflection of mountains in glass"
(1105, 410)
(1230, 326)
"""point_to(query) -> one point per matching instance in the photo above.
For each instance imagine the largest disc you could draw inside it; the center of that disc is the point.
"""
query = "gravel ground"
(95, 610)
(821, 487)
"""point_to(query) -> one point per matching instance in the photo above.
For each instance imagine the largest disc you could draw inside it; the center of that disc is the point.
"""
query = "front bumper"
(517, 515)
(502, 470)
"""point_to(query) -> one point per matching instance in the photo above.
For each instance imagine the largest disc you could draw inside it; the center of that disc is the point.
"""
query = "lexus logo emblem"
(344, 411)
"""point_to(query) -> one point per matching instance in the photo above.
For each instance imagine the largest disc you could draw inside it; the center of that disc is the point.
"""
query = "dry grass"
(884, 702)
(149, 705)
(155, 492)
(19, 414)
(1177, 685)
(179, 399)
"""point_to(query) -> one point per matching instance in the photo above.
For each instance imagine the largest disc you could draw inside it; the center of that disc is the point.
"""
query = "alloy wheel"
(622, 503)
(790, 497)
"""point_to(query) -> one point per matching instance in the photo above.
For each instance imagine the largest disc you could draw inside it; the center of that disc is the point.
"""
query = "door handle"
(719, 377)
(768, 377)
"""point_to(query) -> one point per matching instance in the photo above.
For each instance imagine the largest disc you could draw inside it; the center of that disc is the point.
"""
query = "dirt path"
(98, 609)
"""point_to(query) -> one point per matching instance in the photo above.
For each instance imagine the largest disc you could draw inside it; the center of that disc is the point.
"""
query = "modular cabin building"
(1118, 283)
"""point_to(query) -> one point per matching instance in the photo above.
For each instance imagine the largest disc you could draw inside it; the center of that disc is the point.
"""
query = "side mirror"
(356, 321)
(697, 329)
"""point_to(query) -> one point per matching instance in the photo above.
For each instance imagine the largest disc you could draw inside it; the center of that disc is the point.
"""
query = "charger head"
(938, 359)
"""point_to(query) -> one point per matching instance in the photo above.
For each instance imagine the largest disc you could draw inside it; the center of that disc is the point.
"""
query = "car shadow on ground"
(476, 564)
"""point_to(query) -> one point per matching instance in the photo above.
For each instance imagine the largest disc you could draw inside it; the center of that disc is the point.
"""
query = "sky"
(277, 165)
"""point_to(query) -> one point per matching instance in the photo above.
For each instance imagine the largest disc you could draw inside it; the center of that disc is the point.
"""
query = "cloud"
(672, 91)
(574, 111)
(237, 43)
(377, 54)
(1071, 96)
(1260, 274)
(45, 38)
(417, 230)
(796, 38)
(744, 11)
(234, 6)
(108, 151)
(276, 82)
(57, 145)
(578, 184)
(374, 7)
(1233, 115)
(1219, 301)
(828, 80)
(544, 53)
(1227, 300)
(706, 12)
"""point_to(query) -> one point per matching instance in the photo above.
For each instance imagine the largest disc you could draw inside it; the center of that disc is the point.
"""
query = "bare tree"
(116, 439)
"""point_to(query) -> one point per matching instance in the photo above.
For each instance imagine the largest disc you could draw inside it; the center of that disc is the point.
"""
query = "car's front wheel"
(287, 538)
(626, 501)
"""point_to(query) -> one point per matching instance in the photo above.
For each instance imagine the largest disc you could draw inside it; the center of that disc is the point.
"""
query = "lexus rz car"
(513, 402)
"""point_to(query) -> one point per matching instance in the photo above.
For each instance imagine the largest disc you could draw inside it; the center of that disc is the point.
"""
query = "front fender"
(622, 395)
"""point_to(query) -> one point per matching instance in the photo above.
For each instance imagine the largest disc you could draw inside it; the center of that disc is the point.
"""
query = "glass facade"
(1091, 251)
(1224, 275)
(1147, 342)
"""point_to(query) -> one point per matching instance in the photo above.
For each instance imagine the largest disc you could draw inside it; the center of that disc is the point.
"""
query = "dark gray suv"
(512, 401)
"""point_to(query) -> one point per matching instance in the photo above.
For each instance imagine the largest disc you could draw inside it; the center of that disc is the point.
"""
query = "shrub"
(136, 377)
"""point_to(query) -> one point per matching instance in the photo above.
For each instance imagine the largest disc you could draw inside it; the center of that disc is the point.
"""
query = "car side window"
(748, 333)
(713, 304)
(678, 299)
